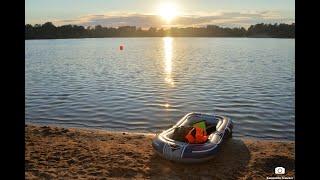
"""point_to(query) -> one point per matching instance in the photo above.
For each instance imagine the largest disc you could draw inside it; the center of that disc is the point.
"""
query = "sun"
(168, 12)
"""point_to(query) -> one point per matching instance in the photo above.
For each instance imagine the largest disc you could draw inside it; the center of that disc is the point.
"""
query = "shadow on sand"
(230, 161)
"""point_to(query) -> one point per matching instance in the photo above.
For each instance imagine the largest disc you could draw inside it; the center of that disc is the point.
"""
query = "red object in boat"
(121, 47)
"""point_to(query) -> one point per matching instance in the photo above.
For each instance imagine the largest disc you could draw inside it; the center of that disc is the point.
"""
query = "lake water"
(153, 82)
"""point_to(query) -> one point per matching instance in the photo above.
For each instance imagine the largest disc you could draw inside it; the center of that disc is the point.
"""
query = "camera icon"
(279, 170)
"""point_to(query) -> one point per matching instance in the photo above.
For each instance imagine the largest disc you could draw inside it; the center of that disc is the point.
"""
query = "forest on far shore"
(49, 31)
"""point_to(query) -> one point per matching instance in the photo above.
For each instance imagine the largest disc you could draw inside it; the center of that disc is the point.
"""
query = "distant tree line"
(50, 31)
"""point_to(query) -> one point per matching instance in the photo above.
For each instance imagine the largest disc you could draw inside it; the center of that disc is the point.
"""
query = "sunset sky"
(157, 13)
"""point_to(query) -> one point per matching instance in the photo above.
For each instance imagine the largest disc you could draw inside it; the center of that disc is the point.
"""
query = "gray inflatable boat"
(219, 128)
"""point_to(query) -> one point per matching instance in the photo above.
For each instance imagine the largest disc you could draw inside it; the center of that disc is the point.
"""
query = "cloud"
(230, 19)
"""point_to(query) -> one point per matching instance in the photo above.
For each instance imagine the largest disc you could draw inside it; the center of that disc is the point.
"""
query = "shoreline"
(251, 37)
(54, 151)
(143, 133)
(90, 129)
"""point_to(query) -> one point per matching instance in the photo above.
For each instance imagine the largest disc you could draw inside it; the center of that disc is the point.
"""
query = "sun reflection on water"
(168, 60)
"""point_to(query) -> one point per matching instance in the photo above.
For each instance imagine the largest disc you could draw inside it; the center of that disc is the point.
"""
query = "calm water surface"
(155, 81)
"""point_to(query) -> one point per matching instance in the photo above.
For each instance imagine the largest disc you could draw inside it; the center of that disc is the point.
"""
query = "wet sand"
(70, 153)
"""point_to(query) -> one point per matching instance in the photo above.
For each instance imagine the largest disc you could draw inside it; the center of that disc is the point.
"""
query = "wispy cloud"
(230, 19)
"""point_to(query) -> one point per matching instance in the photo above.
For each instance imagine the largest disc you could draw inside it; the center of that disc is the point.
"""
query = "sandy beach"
(70, 153)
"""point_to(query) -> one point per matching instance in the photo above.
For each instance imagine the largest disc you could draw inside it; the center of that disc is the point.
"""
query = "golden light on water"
(169, 81)
(167, 41)
(168, 54)
(166, 105)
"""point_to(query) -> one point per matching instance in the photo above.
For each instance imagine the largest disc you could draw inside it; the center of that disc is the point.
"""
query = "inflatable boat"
(219, 128)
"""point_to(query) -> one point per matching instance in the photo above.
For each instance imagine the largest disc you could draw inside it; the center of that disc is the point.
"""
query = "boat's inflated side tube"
(184, 152)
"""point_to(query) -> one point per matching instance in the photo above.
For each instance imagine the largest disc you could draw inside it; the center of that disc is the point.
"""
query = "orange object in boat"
(196, 136)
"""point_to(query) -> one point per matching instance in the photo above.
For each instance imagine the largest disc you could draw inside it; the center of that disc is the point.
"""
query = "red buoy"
(121, 47)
